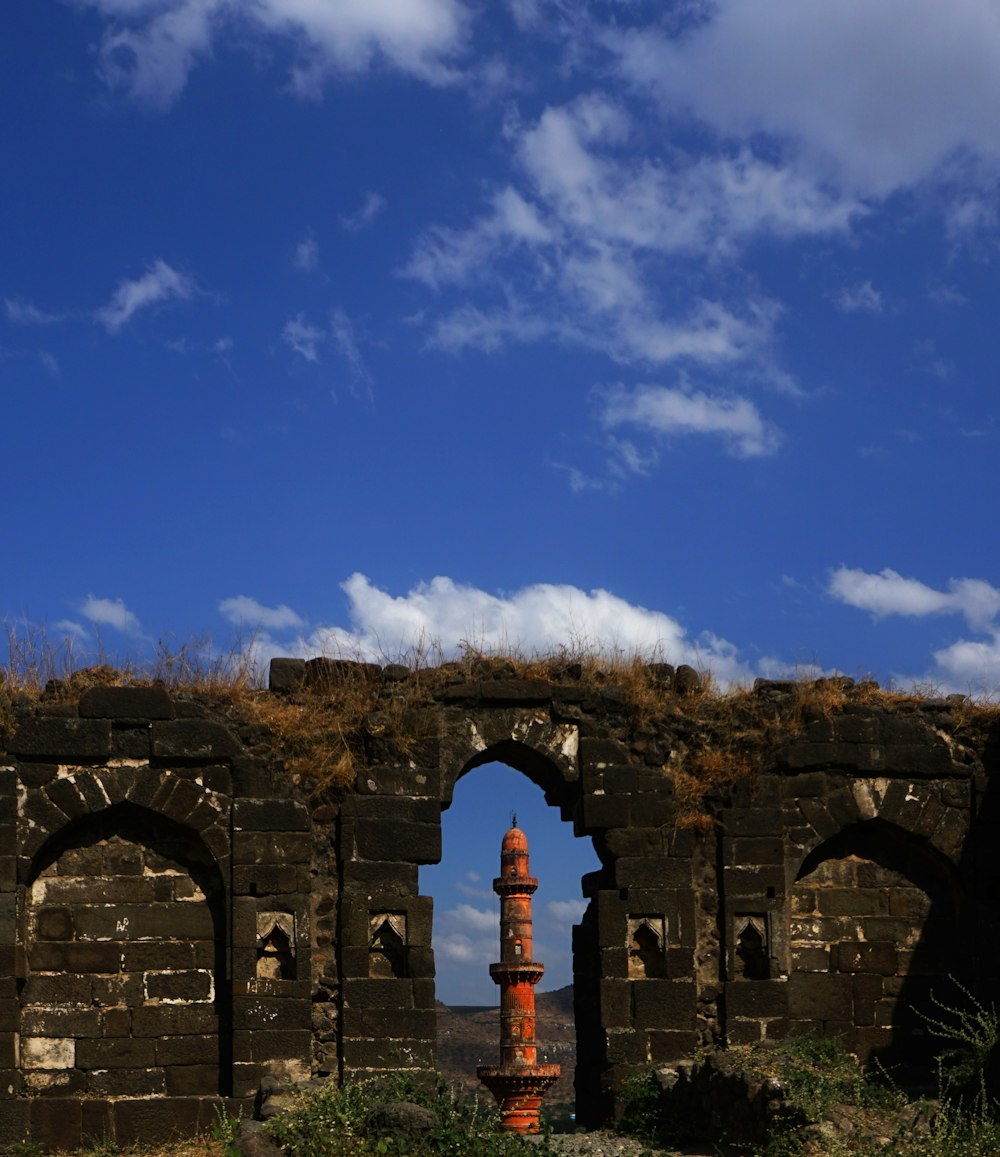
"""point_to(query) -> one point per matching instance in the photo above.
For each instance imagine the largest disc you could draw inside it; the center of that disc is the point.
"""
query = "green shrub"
(330, 1122)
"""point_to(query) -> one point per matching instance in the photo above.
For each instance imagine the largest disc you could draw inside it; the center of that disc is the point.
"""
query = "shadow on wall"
(875, 911)
(124, 989)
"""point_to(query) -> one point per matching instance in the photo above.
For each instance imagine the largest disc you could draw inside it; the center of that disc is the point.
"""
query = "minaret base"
(519, 1092)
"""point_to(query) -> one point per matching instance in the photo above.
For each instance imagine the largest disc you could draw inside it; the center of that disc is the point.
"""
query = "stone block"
(600, 753)
(626, 1047)
(194, 985)
(187, 1050)
(115, 1053)
(56, 1128)
(270, 815)
(410, 1023)
(131, 742)
(748, 999)
(634, 841)
(68, 740)
(193, 739)
(811, 959)
(398, 840)
(44, 1052)
(878, 958)
(815, 997)
(362, 992)
(285, 675)
(671, 1045)
(753, 821)
(156, 1119)
(271, 847)
(664, 1004)
(380, 878)
(265, 880)
(192, 1080)
(616, 1003)
(126, 703)
(256, 1012)
(391, 780)
(758, 850)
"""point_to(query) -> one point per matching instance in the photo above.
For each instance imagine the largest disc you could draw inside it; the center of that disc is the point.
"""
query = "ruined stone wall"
(182, 913)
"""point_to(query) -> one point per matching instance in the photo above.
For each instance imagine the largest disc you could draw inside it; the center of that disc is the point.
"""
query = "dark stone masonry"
(184, 915)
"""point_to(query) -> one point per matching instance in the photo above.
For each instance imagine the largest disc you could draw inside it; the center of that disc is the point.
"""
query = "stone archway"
(568, 1025)
(872, 929)
(125, 991)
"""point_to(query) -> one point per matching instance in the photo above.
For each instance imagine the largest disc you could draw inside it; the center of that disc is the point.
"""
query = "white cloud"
(21, 312)
(875, 97)
(889, 593)
(663, 411)
(73, 631)
(373, 206)
(306, 255)
(576, 251)
(160, 283)
(860, 298)
(445, 615)
(971, 665)
(243, 609)
(304, 338)
(566, 911)
(109, 613)
(150, 46)
(467, 935)
(346, 344)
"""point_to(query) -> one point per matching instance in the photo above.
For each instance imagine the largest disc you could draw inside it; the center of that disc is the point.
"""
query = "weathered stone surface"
(192, 739)
(126, 703)
(86, 740)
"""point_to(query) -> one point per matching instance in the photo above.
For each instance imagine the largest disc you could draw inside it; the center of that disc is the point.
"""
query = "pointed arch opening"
(505, 778)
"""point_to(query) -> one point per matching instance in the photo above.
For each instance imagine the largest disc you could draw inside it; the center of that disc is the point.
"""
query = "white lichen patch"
(48, 1052)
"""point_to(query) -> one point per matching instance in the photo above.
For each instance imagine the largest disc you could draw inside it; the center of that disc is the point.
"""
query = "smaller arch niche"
(387, 945)
(275, 951)
(750, 948)
(646, 948)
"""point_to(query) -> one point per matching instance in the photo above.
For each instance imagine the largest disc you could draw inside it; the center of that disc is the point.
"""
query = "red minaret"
(518, 1083)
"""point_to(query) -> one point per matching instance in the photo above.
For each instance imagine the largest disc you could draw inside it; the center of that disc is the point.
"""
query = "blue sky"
(658, 326)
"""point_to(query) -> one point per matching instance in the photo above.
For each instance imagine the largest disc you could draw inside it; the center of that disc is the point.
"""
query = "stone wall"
(183, 914)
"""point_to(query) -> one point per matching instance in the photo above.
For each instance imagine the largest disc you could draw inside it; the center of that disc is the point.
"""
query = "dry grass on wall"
(327, 729)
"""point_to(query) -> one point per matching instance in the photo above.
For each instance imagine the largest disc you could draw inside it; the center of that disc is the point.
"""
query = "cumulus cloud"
(446, 615)
(664, 411)
(160, 283)
(109, 613)
(467, 935)
(244, 610)
(847, 90)
(889, 593)
(149, 48)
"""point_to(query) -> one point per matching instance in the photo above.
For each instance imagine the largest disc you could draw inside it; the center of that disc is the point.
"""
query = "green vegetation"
(833, 1107)
(333, 1122)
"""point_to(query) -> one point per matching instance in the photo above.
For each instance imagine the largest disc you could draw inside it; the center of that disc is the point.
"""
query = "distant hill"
(469, 1035)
